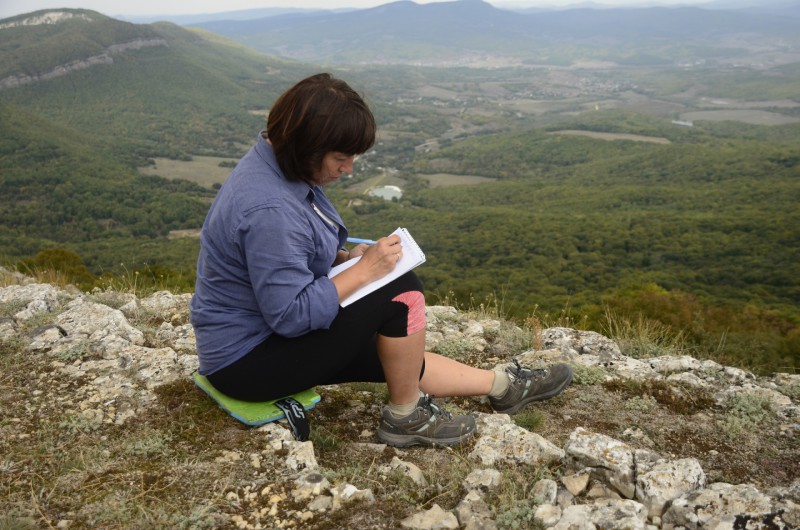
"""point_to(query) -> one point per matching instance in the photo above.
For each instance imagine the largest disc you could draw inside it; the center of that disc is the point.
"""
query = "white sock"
(500, 384)
(399, 411)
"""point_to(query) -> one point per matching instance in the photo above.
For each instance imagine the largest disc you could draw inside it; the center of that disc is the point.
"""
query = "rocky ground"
(102, 427)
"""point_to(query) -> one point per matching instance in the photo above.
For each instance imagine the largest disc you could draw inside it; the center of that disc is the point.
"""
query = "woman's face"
(334, 165)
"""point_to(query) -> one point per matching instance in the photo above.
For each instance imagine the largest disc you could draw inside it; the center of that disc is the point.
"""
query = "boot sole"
(408, 440)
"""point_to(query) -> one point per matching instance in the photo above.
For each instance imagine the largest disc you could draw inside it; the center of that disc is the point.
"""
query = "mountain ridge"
(55, 37)
(399, 31)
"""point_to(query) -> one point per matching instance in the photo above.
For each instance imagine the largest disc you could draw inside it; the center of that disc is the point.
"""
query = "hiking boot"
(531, 385)
(427, 425)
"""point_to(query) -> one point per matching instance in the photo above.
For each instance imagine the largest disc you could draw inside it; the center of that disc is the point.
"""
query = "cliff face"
(53, 43)
(100, 420)
(104, 58)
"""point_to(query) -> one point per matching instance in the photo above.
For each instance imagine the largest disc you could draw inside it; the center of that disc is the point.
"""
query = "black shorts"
(346, 352)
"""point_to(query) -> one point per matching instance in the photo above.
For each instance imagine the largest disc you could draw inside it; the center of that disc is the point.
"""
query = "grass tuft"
(640, 337)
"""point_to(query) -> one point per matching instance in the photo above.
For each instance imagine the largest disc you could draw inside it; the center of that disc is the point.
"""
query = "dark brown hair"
(318, 115)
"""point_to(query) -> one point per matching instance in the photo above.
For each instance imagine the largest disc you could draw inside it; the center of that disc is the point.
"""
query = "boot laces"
(435, 410)
(523, 373)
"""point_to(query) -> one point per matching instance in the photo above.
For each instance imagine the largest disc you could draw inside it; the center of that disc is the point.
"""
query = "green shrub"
(518, 516)
(529, 419)
(745, 412)
(643, 403)
(588, 375)
(456, 348)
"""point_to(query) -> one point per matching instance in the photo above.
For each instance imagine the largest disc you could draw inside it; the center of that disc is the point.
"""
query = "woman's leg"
(445, 377)
(401, 359)
(391, 320)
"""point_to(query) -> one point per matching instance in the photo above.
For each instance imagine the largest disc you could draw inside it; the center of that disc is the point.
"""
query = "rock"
(37, 297)
(501, 440)
(778, 401)
(608, 459)
(718, 506)
(687, 379)
(480, 524)
(276, 435)
(573, 342)
(592, 349)
(45, 337)
(608, 515)
(301, 455)
(163, 304)
(638, 435)
(472, 512)
(434, 519)
(106, 330)
(737, 375)
(408, 469)
(666, 481)
(564, 498)
(323, 503)
(129, 377)
(309, 485)
(577, 482)
(600, 491)
(346, 493)
(669, 364)
(547, 515)
(787, 500)
(228, 457)
(482, 479)
(180, 338)
(8, 329)
(545, 491)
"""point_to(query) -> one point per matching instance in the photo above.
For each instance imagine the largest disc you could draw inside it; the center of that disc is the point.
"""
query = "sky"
(10, 8)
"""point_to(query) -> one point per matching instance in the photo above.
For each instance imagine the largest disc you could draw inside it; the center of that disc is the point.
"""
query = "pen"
(359, 240)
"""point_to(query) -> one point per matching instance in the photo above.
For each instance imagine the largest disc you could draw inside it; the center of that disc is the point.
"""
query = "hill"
(86, 99)
(165, 90)
(241, 14)
(475, 32)
(62, 187)
(100, 414)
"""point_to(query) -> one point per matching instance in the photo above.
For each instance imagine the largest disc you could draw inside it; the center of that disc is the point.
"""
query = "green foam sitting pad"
(249, 412)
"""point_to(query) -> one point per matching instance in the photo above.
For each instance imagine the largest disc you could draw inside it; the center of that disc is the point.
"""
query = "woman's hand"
(376, 261)
(379, 259)
(358, 250)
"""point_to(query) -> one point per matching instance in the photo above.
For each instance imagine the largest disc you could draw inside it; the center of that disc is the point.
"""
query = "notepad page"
(412, 257)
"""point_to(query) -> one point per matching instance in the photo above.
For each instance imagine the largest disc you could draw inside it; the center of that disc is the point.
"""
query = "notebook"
(412, 257)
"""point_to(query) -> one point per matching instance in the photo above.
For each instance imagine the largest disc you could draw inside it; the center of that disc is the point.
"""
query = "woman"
(267, 317)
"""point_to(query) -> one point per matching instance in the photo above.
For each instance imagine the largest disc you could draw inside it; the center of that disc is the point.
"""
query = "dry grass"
(640, 337)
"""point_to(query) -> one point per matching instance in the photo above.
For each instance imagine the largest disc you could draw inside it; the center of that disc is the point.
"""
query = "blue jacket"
(264, 256)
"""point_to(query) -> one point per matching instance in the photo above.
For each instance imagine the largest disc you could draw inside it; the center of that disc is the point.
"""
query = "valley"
(602, 178)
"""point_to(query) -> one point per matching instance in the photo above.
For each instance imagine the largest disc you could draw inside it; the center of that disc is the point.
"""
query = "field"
(203, 170)
(444, 180)
(754, 117)
(614, 136)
